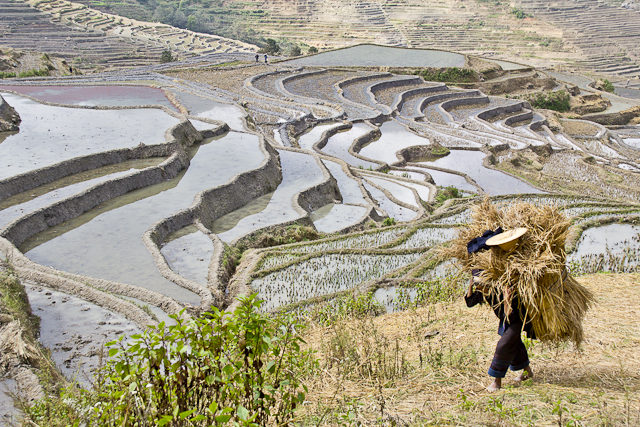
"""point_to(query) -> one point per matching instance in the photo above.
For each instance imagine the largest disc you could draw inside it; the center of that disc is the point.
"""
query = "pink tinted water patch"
(95, 95)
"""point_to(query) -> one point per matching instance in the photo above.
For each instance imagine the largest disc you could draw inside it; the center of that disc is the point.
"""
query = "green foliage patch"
(520, 14)
(451, 75)
(242, 368)
(166, 57)
(557, 101)
(608, 86)
(34, 73)
(7, 75)
(447, 193)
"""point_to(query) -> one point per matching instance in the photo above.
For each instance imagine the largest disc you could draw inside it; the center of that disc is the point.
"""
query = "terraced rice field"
(154, 221)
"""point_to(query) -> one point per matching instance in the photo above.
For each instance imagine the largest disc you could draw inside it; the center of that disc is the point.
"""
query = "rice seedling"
(426, 237)
(370, 239)
(459, 218)
(324, 275)
(273, 260)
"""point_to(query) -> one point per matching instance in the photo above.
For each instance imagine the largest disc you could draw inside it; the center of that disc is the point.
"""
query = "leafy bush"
(312, 49)
(7, 75)
(608, 86)
(166, 57)
(34, 73)
(295, 51)
(271, 47)
(519, 13)
(453, 74)
(242, 369)
(388, 222)
(448, 193)
(557, 101)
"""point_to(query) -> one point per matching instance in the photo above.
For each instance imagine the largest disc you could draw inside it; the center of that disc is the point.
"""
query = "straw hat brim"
(506, 237)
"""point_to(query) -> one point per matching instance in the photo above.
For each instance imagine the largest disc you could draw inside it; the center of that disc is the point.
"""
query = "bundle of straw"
(534, 271)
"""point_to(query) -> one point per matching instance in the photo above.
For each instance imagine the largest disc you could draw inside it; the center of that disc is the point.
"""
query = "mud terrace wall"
(442, 96)
(39, 220)
(515, 83)
(487, 114)
(208, 206)
(9, 118)
(618, 119)
(402, 97)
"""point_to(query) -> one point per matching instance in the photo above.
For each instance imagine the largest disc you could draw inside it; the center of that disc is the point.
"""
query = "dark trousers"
(510, 353)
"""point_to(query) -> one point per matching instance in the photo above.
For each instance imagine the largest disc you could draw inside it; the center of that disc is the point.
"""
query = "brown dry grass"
(597, 385)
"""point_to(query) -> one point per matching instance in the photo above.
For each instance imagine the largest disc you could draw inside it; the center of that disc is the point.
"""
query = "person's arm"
(473, 297)
(470, 290)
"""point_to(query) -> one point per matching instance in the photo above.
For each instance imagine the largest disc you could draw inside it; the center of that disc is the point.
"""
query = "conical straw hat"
(508, 239)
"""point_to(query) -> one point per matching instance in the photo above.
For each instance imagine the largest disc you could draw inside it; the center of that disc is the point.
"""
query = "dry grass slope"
(428, 367)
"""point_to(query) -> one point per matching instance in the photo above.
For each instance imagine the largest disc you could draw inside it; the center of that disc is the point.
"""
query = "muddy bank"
(9, 118)
(617, 119)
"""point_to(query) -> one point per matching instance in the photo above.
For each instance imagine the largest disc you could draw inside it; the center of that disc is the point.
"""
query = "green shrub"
(7, 75)
(295, 51)
(312, 49)
(166, 57)
(519, 13)
(557, 101)
(608, 86)
(447, 193)
(243, 368)
(453, 74)
(270, 47)
(34, 73)
(388, 222)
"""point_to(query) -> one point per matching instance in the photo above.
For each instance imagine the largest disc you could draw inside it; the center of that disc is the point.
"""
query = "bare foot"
(525, 375)
(495, 385)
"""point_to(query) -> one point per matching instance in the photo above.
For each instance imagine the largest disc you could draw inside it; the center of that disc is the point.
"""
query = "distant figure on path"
(628, 80)
(265, 58)
(257, 56)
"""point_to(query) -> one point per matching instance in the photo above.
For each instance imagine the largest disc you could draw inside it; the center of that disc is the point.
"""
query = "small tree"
(608, 86)
(312, 50)
(271, 47)
(295, 51)
(166, 57)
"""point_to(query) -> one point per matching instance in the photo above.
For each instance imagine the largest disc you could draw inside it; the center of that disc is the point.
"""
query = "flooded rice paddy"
(299, 172)
(188, 252)
(50, 135)
(323, 275)
(372, 55)
(337, 217)
(492, 181)
(613, 247)
(399, 191)
(307, 140)
(21, 204)
(394, 137)
(107, 241)
(76, 330)
(338, 146)
(112, 96)
(394, 210)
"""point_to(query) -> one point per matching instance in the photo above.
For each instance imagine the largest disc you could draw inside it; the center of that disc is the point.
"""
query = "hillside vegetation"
(424, 365)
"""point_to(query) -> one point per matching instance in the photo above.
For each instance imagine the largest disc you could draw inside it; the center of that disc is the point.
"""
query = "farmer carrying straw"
(521, 275)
